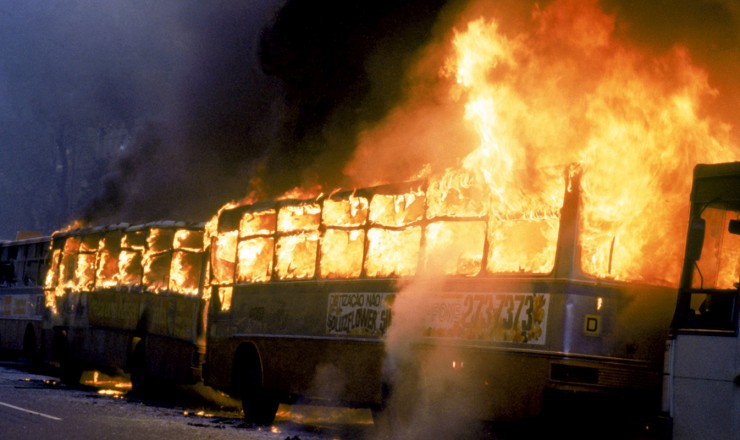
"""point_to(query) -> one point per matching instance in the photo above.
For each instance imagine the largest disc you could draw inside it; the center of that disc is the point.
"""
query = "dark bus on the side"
(23, 265)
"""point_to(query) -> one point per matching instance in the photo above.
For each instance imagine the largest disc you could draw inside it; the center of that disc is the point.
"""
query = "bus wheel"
(70, 372)
(30, 356)
(260, 405)
(140, 383)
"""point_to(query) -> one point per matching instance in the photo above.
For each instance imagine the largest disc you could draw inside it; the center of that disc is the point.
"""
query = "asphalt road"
(35, 406)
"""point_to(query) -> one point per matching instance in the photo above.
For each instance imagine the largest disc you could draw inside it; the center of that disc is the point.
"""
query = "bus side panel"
(104, 326)
(173, 341)
(219, 362)
(13, 330)
(592, 339)
(706, 401)
(300, 355)
(19, 309)
(102, 349)
(324, 369)
(607, 346)
(173, 360)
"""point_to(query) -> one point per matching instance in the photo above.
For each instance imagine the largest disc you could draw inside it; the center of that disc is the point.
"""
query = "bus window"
(454, 247)
(255, 260)
(296, 256)
(719, 265)
(349, 212)
(223, 258)
(393, 245)
(185, 272)
(129, 267)
(109, 249)
(297, 245)
(52, 275)
(302, 217)
(523, 244)
(224, 297)
(157, 271)
(68, 262)
(457, 194)
(31, 273)
(397, 209)
(392, 252)
(85, 264)
(135, 239)
(713, 303)
(343, 242)
(160, 240)
(190, 240)
(7, 273)
(258, 223)
(341, 253)
(85, 271)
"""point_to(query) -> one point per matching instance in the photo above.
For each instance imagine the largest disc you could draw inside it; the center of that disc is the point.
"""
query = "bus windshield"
(715, 276)
(719, 264)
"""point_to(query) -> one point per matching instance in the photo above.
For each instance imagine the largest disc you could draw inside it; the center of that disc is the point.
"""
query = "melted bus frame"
(116, 304)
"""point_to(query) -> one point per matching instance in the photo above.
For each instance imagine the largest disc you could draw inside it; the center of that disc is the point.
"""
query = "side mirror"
(734, 227)
(695, 239)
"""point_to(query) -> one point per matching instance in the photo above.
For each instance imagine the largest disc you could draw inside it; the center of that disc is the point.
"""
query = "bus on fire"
(124, 298)
(490, 298)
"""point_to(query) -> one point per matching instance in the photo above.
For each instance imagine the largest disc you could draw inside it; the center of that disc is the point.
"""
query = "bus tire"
(30, 354)
(378, 409)
(140, 381)
(259, 404)
(70, 372)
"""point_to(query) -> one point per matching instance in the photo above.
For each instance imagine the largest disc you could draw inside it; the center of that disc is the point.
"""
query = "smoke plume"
(274, 100)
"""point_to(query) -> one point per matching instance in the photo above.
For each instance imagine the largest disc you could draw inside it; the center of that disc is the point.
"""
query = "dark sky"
(198, 99)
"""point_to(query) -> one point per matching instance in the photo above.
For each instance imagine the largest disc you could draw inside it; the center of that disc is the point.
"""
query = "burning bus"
(347, 296)
(125, 298)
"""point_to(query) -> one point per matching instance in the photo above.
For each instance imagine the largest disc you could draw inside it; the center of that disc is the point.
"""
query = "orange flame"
(152, 258)
(492, 135)
(568, 91)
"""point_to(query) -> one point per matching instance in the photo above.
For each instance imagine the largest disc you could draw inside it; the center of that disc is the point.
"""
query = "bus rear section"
(22, 267)
(128, 299)
(404, 296)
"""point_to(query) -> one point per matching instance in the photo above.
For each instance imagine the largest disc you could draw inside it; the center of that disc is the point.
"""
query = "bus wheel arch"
(259, 404)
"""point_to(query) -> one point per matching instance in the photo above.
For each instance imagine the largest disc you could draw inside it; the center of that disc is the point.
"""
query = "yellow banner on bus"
(358, 314)
(495, 317)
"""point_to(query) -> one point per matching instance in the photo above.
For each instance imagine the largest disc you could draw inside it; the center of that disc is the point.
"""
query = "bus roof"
(716, 182)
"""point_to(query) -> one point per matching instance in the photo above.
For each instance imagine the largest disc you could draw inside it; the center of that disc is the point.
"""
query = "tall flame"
(568, 91)
(492, 147)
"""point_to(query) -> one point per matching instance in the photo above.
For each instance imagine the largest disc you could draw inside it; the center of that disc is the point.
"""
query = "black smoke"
(268, 105)
(198, 103)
